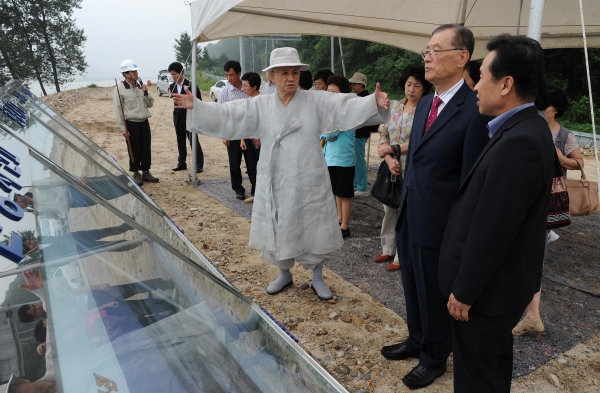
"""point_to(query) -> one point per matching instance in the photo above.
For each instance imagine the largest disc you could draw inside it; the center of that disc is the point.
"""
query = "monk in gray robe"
(294, 218)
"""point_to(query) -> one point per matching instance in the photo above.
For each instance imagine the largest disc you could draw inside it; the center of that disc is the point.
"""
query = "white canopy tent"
(405, 24)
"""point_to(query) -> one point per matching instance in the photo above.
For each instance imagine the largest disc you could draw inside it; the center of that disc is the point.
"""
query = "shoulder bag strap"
(395, 151)
(583, 177)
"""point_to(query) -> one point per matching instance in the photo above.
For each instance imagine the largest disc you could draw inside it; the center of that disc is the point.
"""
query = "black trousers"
(103, 185)
(125, 291)
(139, 137)
(235, 152)
(483, 353)
(134, 314)
(146, 286)
(426, 311)
(182, 135)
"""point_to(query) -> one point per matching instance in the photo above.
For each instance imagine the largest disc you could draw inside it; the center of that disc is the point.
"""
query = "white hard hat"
(129, 65)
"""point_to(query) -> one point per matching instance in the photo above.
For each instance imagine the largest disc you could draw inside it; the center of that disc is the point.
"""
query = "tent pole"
(519, 20)
(536, 17)
(464, 13)
(368, 152)
(193, 76)
(332, 49)
(342, 57)
(242, 55)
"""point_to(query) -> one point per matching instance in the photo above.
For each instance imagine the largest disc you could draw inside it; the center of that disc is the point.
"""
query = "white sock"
(319, 285)
(284, 279)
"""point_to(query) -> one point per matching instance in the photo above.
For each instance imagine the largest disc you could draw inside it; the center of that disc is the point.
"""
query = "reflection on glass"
(37, 105)
(110, 326)
(40, 136)
(104, 304)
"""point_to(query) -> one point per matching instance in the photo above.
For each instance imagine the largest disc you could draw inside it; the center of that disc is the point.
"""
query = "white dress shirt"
(447, 95)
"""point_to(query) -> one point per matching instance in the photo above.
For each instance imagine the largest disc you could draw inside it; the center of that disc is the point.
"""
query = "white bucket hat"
(286, 57)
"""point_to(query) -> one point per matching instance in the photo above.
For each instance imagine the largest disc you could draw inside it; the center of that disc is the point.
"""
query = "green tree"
(62, 40)
(39, 40)
(12, 51)
(565, 69)
(19, 44)
(183, 48)
(205, 62)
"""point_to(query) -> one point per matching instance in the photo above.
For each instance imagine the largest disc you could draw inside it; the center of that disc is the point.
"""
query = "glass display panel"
(51, 139)
(33, 101)
(94, 175)
(125, 310)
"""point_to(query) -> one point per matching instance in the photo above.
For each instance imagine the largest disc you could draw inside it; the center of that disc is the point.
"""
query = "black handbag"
(387, 188)
(558, 211)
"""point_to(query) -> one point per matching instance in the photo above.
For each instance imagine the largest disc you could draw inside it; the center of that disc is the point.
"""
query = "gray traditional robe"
(294, 209)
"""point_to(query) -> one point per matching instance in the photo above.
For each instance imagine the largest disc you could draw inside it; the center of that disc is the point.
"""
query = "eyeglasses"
(285, 74)
(435, 52)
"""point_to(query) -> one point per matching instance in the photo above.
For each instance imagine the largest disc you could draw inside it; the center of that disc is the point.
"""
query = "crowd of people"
(469, 235)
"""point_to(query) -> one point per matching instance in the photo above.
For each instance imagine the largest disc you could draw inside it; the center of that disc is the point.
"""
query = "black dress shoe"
(399, 352)
(241, 196)
(199, 170)
(345, 233)
(179, 167)
(419, 377)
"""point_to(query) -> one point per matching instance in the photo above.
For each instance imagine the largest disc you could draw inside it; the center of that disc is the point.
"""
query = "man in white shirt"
(234, 91)
(179, 115)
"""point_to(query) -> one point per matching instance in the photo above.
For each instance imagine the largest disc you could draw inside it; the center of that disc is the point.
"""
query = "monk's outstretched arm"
(233, 120)
(348, 111)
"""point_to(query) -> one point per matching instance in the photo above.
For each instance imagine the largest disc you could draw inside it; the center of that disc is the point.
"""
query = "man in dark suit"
(176, 71)
(492, 253)
(447, 136)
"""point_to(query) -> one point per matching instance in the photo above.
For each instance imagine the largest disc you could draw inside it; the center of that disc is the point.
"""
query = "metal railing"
(585, 139)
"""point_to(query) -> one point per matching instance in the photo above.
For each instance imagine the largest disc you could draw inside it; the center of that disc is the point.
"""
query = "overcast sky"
(140, 30)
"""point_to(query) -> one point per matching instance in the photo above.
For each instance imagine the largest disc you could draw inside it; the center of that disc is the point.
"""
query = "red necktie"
(433, 114)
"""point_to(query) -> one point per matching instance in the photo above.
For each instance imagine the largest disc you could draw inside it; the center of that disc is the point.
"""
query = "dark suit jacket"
(437, 161)
(179, 114)
(493, 248)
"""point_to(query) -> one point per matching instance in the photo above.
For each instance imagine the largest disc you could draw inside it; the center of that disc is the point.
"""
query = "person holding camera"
(132, 100)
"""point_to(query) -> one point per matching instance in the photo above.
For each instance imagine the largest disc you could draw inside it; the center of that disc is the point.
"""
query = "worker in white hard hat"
(132, 100)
